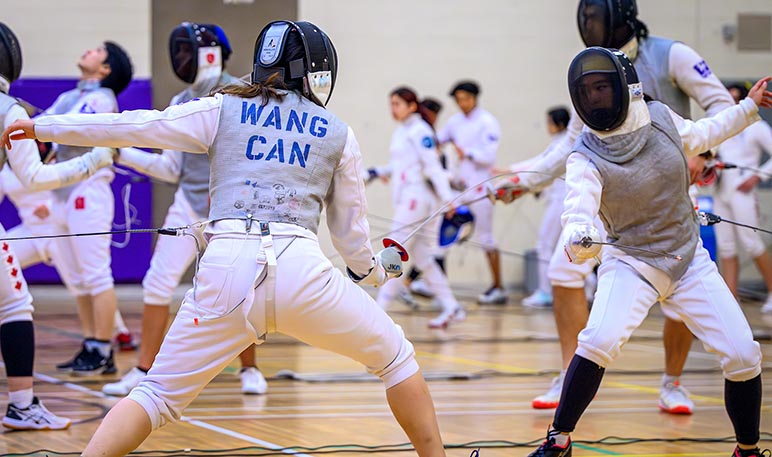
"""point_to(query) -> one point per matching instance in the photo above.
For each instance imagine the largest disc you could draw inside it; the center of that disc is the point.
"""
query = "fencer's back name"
(302, 123)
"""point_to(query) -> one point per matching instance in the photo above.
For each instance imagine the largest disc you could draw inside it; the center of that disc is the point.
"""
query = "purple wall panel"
(131, 262)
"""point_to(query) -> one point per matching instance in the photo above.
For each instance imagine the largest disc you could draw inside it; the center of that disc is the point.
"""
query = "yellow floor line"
(506, 368)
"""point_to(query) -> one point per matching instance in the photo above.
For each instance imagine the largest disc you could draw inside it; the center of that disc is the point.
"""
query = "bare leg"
(571, 313)
(247, 357)
(764, 264)
(495, 263)
(105, 304)
(678, 341)
(154, 321)
(120, 325)
(730, 271)
(19, 383)
(86, 315)
(411, 404)
(123, 429)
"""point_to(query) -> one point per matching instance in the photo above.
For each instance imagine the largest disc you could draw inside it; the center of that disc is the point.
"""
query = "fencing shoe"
(34, 417)
(419, 287)
(551, 398)
(129, 381)
(94, 363)
(751, 452)
(538, 300)
(67, 366)
(550, 448)
(674, 399)
(252, 381)
(448, 317)
(493, 296)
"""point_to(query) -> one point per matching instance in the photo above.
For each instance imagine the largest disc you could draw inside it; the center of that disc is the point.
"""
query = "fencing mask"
(607, 23)
(316, 64)
(198, 51)
(602, 82)
(10, 54)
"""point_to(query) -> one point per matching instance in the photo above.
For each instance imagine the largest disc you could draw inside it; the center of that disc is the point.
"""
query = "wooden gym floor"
(483, 373)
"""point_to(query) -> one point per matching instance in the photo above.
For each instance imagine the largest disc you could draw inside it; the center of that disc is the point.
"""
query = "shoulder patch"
(427, 142)
(703, 69)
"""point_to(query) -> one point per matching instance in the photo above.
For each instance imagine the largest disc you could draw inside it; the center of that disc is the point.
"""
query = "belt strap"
(270, 278)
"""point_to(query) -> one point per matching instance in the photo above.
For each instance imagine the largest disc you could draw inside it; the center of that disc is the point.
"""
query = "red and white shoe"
(674, 399)
(551, 398)
(125, 342)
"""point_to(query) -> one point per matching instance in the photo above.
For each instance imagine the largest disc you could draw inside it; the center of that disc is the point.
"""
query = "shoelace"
(475, 453)
(764, 453)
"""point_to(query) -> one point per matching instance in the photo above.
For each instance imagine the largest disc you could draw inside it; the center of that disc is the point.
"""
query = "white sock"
(21, 398)
(103, 347)
(561, 439)
(667, 379)
(120, 326)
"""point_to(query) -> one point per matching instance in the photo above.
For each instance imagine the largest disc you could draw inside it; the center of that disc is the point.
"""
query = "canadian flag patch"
(80, 203)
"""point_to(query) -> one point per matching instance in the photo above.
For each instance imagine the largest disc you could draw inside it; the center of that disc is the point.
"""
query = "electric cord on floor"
(254, 451)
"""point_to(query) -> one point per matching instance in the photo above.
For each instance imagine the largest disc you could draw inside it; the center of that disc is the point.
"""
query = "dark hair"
(467, 86)
(121, 69)
(641, 30)
(560, 116)
(408, 95)
(273, 87)
(740, 87)
(432, 105)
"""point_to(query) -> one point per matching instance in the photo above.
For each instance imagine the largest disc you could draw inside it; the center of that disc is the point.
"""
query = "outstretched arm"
(189, 127)
(704, 134)
(35, 175)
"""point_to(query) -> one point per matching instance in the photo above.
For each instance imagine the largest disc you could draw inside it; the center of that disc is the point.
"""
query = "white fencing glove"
(580, 242)
(388, 264)
(506, 190)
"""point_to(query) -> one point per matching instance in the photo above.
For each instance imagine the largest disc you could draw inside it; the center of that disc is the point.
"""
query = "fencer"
(735, 198)
(90, 206)
(198, 53)
(17, 337)
(629, 166)
(672, 73)
(475, 134)
(413, 162)
(277, 157)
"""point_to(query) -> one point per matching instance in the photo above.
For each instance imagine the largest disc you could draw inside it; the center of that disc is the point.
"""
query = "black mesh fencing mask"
(10, 54)
(195, 47)
(600, 82)
(606, 23)
(316, 65)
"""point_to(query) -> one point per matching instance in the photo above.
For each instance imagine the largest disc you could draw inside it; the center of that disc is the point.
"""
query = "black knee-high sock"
(17, 343)
(414, 273)
(743, 404)
(582, 380)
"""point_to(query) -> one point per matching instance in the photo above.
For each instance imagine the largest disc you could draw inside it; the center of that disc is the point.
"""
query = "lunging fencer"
(105, 72)
(417, 181)
(672, 73)
(277, 157)
(629, 166)
(736, 198)
(199, 53)
(17, 336)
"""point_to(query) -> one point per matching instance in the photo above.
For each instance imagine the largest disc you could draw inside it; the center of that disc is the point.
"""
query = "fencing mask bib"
(602, 82)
